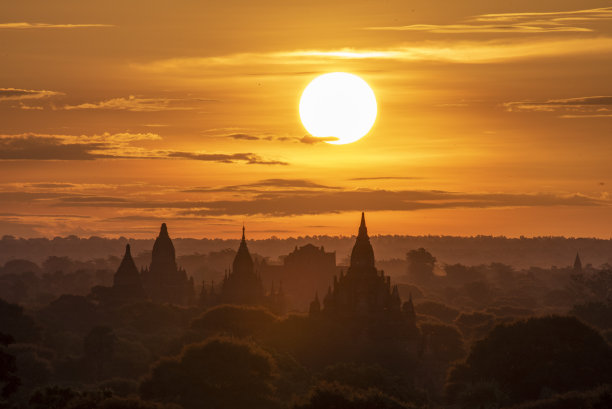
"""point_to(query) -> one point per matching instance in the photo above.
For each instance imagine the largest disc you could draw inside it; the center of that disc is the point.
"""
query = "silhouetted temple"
(127, 286)
(363, 290)
(164, 281)
(577, 264)
(242, 285)
(306, 270)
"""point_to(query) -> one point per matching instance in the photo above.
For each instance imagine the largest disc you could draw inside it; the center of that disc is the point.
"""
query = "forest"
(80, 332)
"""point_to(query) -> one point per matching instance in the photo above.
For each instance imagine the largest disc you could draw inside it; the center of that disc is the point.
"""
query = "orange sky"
(494, 118)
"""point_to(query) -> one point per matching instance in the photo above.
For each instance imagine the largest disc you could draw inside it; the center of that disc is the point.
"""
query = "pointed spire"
(363, 230)
(577, 263)
(243, 239)
(163, 231)
(128, 253)
(362, 255)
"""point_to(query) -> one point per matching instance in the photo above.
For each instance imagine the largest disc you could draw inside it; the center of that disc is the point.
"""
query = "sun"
(338, 105)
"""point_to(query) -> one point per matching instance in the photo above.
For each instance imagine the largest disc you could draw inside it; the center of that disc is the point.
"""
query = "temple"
(577, 264)
(363, 290)
(127, 286)
(164, 281)
(242, 285)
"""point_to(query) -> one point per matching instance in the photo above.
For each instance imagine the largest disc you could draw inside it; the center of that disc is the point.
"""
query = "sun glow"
(338, 106)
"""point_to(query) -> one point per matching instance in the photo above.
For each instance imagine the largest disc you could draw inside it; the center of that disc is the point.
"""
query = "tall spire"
(577, 263)
(363, 230)
(243, 262)
(362, 255)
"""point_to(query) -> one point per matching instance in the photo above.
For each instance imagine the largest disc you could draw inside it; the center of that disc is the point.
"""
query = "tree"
(14, 322)
(443, 342)
(334, 396)
(217, 373)
(235, 320)
(98, 349)
(8, 368)
(525, 358)
(420, 265)
(56, 397)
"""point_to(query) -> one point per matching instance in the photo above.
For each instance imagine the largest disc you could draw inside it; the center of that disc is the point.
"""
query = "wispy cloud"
(26, 26)
(108, 146)
(16, 94)
(248, 158)
(267, 186)
(286, 204)
(386, 178)
(580, 107)
(467, 52)
(484, 28)
(311, 140)
(573, 15)
(508, 23)
(70, 147)
(138, 104)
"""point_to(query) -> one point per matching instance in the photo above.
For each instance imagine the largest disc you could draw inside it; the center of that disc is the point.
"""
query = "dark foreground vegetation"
(483, 336)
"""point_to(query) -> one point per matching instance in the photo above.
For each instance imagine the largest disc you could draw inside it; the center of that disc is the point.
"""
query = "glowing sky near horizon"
(493, 118)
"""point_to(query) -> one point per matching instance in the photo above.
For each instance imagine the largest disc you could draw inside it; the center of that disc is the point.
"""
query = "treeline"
(519, 252)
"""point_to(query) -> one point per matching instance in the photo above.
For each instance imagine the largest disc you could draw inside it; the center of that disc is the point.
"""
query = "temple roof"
(163, 249)
(243, 262)
(127, 265)
(362, 254)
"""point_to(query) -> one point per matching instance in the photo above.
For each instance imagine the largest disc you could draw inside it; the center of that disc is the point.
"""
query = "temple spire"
(362, 255)
(243, 239)
(577, 264)
(363, 230)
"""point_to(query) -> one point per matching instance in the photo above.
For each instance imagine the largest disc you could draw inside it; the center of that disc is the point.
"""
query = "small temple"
(242, 285)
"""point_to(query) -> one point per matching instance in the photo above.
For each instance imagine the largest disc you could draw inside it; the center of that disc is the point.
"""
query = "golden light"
(338, 105)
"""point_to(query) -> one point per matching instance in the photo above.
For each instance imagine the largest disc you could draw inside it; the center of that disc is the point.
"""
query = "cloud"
(484, 28)
(107, 146)
(249, 158)
(580, 107)
(508, 23)
(25, 26)
(51, 185)
(267, 185)
(137, 104)
(387, 178)
(312, 202)
(244, 136)
(15, 94)
(33, 147)
(311, 140)
(572, 15)
(465, 52)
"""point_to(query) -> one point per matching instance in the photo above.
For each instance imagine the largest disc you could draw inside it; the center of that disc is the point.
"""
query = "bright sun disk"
(338, 105)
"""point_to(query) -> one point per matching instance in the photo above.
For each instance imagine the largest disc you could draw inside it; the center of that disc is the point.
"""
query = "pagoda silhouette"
(242, 285)
(164, 281)
(363, 290)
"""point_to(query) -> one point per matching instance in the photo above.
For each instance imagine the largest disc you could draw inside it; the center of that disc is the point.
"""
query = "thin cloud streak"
(136, 104)
(17, 94)
(508, 23)
(26, 26)
(475, 52)
(580, 107)
(108, 146)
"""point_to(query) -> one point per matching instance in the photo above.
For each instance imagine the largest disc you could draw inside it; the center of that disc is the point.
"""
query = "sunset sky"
(493, 118)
